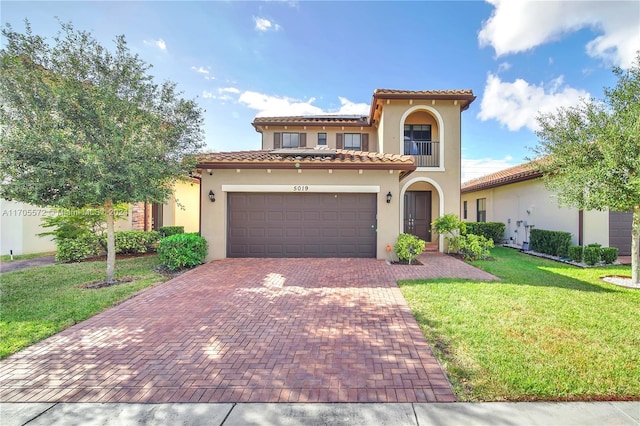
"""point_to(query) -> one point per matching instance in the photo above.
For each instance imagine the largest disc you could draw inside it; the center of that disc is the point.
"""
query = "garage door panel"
(301, 225)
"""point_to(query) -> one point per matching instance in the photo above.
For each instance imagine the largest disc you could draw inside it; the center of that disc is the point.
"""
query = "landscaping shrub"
(592, 255)
(78, 248)
(182, 251)
(408, 247)
(575, 253)
(474, 247)
(493, 231)
(555, 243)
(609, 254)
(448, 225)
(133, 242)
(167, 231)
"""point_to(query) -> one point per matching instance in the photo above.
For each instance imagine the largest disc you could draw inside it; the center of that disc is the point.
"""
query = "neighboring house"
(20, 223)
(337, 186)
(518, 198)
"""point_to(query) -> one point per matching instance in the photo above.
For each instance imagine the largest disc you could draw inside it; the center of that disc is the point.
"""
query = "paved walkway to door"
(247, 330)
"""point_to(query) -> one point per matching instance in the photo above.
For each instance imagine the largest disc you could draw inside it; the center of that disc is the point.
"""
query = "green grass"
(39, 302)
(547, 331)
(7, 257)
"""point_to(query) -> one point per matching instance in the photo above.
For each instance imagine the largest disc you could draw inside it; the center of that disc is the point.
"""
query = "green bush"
(474, 247)
(448, 225)
(133, 242)
(182, 251)
(72, 223)
(592, 255)
(167, 231)
(609, 254)
(408, 247)
(493, 231)
(555, 243)
(575, 253)
(78, 248)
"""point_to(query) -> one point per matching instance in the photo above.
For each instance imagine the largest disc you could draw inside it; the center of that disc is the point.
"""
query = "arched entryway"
(423, 202)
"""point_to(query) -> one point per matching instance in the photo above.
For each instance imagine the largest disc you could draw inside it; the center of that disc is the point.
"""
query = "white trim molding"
(301, 187)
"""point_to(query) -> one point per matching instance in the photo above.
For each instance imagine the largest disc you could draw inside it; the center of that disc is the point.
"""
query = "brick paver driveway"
(247, 330)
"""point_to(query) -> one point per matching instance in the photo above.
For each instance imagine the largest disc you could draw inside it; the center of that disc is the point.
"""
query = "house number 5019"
(300, 188)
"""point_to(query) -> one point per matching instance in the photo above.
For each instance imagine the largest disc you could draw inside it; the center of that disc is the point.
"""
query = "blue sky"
(246, 58)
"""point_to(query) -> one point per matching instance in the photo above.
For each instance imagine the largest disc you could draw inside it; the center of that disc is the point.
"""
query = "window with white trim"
(353, 141)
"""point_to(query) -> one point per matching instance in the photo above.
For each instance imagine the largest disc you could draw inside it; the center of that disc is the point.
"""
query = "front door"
(417, 214)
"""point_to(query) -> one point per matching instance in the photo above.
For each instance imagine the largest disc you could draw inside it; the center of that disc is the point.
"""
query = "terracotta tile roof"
(419, 93)
(513, 174)
(317, 120)
(309, 158)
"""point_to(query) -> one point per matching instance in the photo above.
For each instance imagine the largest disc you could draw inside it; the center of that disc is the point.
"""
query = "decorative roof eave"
(507, 180)
(448, 95)
(261, 122)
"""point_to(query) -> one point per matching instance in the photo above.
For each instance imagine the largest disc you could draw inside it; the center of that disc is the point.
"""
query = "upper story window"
(290, 140)
(481, 205)
(322, 138)
(417, 139)
(352, 141)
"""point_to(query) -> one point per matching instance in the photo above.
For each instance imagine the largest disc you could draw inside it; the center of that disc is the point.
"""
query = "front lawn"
(39, 302)
(547, 331)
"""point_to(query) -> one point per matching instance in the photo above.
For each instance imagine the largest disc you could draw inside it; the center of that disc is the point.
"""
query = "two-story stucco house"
(337, 186)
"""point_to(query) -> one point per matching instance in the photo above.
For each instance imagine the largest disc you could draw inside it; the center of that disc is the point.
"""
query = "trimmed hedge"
(609, 254)
(133, 242)
(78, 248)
(576, 253)
(592, 255)
(493, 231)
(182, 251)
(555, 243)
(167, 231)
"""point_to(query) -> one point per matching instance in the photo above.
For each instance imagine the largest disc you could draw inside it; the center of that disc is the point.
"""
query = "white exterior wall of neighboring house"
(529, 201)
(20, 224)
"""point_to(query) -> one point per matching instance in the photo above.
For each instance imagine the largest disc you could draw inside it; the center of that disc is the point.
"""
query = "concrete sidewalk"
(393, 414)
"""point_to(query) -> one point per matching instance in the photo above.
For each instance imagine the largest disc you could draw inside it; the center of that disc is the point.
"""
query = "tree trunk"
(111, 242)
(635, 246)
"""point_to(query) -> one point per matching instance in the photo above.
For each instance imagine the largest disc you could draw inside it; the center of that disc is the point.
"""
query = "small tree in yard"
(84, 126)
(590, 153)
(450, 226)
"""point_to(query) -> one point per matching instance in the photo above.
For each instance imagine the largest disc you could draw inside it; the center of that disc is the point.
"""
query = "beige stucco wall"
(214, 215)
(184, 208)
(530, 201)
(312, 135)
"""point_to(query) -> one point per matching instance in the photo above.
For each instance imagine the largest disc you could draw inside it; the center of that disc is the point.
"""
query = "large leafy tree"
(82, 125)
(590, 153)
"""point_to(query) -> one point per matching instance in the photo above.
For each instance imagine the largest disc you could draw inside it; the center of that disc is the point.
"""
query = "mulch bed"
(119, 256)
(102, 284)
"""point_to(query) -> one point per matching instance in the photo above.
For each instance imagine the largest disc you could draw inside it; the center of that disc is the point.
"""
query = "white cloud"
(274, 106)
(263, 24)
(159, 43)
(229, 90)
(518, 26)
(517, 104)
(206, 72)
(504, 66)
(473, 169)
(208, 95)
(351, 108)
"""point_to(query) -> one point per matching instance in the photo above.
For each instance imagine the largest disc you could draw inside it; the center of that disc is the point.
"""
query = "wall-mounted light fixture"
(388, 197)
(212, 196)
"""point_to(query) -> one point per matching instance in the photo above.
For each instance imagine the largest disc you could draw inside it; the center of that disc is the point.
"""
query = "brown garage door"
(620, 231)
(301, 225)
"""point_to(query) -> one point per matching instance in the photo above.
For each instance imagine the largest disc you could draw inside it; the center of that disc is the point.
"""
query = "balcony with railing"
(425, 153)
